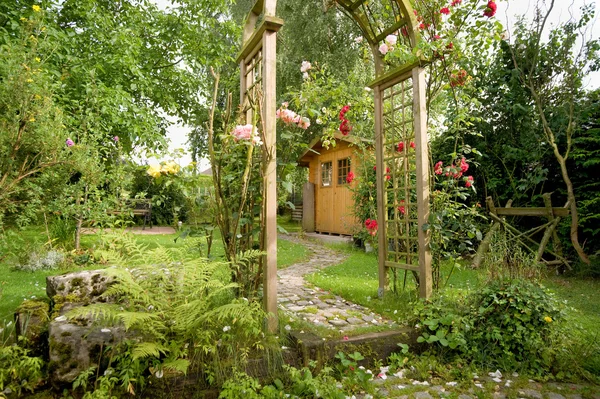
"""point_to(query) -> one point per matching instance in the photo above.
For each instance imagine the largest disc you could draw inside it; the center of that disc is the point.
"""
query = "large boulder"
(86, 286)
(77, 344)
(75, 348)
(31, 322)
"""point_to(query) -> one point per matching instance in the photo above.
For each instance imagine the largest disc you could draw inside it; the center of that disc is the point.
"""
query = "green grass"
(289, 253)
(581, 294)
(285, 222)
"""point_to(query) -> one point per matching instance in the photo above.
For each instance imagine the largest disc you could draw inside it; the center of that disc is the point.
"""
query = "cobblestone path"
(297, 297)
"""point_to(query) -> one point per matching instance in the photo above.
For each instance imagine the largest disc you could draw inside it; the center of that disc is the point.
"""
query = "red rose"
(343, 111)
(400, 146)
(345, 127)
(401, 208)
(438, 168)
(349, 177)
(464, 166)
(490, 11)
(445, 11)
(469, 181)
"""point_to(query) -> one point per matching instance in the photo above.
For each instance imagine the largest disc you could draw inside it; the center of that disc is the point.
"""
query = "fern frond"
(177, 365)
(131, 319)
(147, 349)
(101, 313)
(248, 257)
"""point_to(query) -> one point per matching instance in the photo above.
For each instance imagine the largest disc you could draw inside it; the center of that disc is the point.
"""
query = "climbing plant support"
(401, 143)
(400, 136)
(257, 92)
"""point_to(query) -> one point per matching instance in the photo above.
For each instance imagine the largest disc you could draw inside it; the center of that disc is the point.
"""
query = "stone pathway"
(313, 304)
(496, 386)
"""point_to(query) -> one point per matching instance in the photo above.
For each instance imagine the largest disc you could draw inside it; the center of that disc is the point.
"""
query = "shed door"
(334, 202)
(343, 200)
(325, 197)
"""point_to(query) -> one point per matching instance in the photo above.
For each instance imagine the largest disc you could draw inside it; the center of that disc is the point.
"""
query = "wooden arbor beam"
(404, 24)
(258, 67)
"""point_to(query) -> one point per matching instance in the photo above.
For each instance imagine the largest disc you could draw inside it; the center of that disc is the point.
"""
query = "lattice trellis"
(401, 224)
(253, 85)
(257, 90)
(400, 117)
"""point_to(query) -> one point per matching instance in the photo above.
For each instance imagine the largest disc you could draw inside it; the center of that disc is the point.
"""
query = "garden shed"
(327, 197)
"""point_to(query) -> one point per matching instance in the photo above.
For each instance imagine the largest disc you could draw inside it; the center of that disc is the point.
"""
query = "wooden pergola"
(400, 136)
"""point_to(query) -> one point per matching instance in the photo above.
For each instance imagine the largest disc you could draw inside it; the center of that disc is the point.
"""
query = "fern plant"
(181, 311)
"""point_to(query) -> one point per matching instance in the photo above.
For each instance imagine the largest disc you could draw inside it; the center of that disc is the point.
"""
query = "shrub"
(50, 260)
(512, 325)
(508, 324)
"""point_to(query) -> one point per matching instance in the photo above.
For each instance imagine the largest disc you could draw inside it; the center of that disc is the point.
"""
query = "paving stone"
(322, 305)
(499, 395)
(530, 394)
(330, 301)
(422, 395)
(463, 396)
(553, 395)
(368, 319)
(355, 321)
(338, 322)
(296, 308)
(302, 303)
(438, 388)
(327, 314)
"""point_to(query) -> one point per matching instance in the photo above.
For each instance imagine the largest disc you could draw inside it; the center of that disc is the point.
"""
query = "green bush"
(18, 370)
(513, 324)
(508, 324)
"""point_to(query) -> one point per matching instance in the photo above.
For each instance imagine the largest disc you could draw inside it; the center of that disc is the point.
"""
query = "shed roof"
(316, 146)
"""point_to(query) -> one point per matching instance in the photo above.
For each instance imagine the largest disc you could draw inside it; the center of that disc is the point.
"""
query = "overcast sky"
(507, 12)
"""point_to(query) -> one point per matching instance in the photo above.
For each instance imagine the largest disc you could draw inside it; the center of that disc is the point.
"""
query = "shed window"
(326, 174)
(343, 169)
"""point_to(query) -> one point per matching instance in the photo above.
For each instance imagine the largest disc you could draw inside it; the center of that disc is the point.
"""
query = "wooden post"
(484, 246)
(420, 125)
(270, 184)
(549, 229)
(308, 210)
(381, 194)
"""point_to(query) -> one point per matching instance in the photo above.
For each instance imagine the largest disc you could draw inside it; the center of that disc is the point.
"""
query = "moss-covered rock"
(88, 285)
(31, 322)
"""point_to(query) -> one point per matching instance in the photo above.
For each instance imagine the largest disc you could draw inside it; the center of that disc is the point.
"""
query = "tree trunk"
(572, 206)
(78, 233)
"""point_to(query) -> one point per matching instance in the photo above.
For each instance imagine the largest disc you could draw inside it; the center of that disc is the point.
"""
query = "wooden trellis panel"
(402, 177)
(258, 92)
(400, 116)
